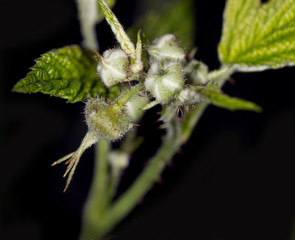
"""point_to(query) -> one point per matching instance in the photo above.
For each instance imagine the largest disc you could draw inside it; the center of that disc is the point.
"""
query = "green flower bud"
(106, 121)
(166, 47)
(164, 80)
(112, 67)
(197, 72)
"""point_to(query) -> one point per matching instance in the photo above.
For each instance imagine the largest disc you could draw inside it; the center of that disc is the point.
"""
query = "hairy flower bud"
(166, 47)
(106, 121)
(164, 80)
(197, 72)
(112, 67)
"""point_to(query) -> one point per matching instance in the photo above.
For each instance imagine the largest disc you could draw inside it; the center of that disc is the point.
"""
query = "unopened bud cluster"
(163, 79)
(165, 76)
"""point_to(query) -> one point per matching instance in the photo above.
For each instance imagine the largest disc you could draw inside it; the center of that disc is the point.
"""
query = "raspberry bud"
(164, 80)
(106, 121)
(112, 67)
(166, 47)
(197, 72)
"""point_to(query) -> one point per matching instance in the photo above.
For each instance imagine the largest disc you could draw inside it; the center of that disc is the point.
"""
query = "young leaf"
(256, 35)
(215, 96)
(117, 29)
(68, 72)
(177, 18)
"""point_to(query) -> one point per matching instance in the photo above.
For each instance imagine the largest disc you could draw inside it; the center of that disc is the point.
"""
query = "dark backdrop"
(233, 180)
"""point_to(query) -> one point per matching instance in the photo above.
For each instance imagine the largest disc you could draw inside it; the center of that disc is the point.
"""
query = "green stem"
(143, 183)
(98, 197)
(154, 169)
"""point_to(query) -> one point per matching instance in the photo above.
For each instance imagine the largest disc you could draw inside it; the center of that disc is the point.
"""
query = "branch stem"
(98, 197)
(88, 15)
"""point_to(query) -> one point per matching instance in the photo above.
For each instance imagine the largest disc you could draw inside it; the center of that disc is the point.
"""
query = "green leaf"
(257, 34)
(68, 73)
(177, 18)
(215, 96)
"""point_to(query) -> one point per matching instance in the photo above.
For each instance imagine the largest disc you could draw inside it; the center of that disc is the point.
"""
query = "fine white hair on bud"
(164, 80)
(106, 121)
(112, 67)
(197, 72)
(166, 47)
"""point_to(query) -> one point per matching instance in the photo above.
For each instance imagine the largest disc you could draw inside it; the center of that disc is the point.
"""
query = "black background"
(234, 179)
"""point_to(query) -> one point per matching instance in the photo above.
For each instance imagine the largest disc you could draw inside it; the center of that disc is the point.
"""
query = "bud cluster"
(164, 80)
(165, 76)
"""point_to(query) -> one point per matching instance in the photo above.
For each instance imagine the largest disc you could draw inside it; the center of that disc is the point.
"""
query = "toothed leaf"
(68, 73)
(256, 34)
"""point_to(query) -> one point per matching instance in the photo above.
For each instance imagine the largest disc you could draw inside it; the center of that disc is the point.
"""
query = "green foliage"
(216, 97)
(256, 34)
(68, 72)
(117, 29)
(177, 18)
